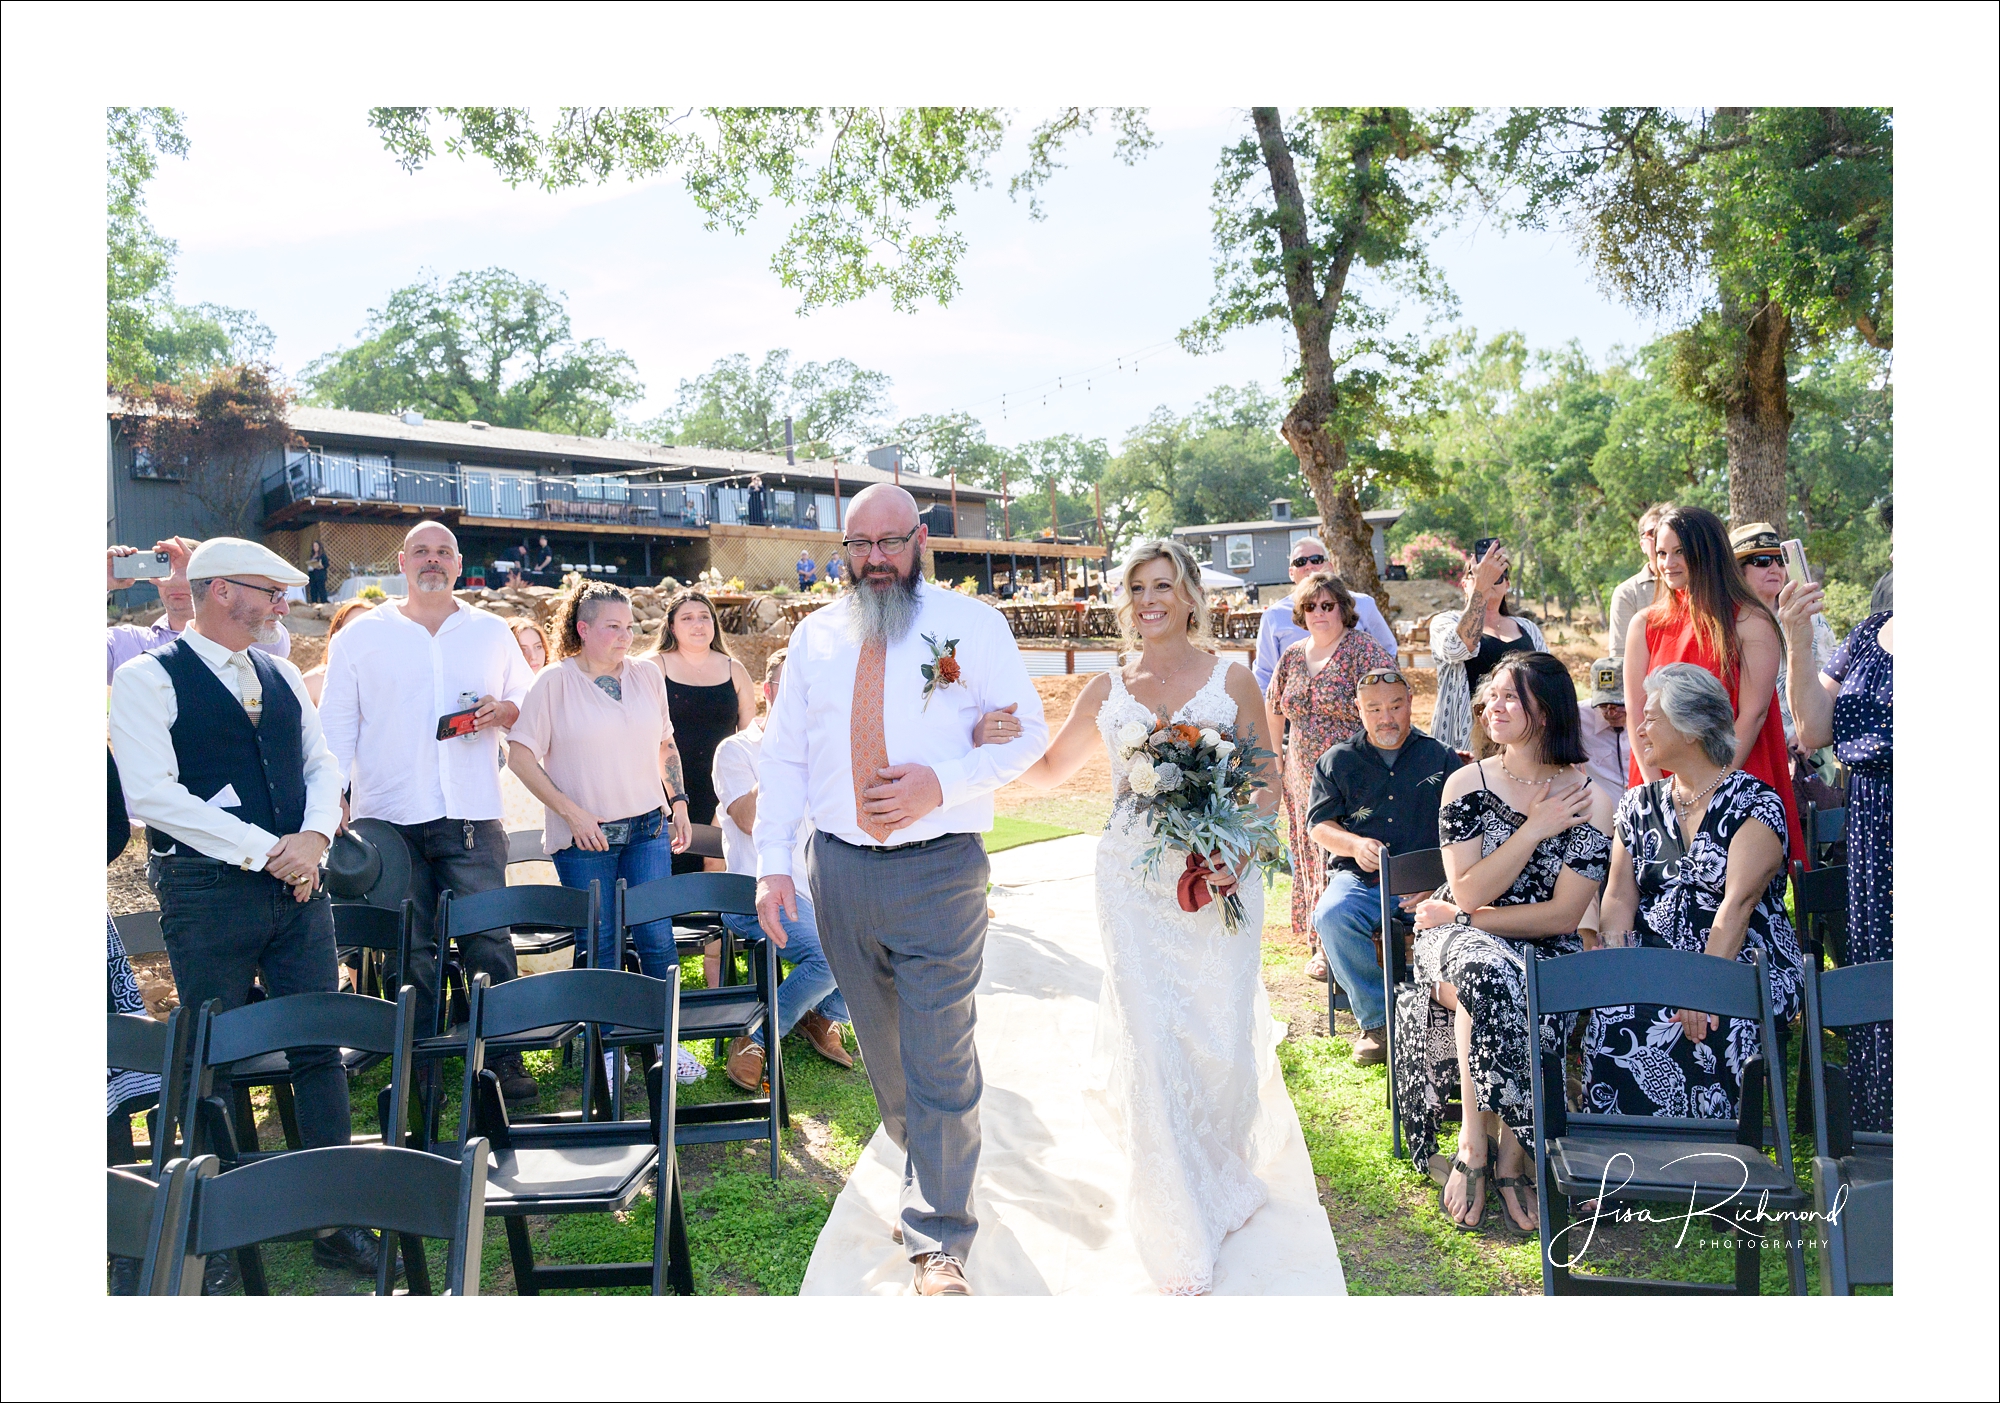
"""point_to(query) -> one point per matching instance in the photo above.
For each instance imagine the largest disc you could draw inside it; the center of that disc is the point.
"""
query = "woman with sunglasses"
(1761, 558)
(1313, 688)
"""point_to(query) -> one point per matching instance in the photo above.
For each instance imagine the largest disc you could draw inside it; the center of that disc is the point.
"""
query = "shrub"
(373, 594)
(1846, 605)
(1431, 557)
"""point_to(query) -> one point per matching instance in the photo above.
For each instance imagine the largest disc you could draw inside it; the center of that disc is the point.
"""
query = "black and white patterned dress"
(1637, 1061)
(1490, 973)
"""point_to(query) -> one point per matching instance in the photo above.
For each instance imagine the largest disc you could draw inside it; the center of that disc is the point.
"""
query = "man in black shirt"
(1378, 790)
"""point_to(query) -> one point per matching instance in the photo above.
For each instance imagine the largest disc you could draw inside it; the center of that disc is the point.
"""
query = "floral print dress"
(1322, 710)
(1637, 1061)
(1490, 973)
(1864, 734)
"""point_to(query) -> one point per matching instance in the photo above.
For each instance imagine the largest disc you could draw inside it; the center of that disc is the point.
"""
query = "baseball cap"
(1607, 682)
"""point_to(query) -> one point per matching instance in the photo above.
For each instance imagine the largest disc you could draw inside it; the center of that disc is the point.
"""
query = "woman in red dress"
(1708, 616)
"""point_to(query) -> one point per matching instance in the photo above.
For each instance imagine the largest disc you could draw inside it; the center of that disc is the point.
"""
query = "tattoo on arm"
(1472, 619)
(671, 762)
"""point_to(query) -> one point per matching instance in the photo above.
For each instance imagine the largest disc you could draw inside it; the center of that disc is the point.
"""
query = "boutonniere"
(942, 669)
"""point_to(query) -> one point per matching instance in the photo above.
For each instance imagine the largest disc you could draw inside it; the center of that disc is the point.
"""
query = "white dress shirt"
(806, 772)
(735, 774)
(143, 712)
(388, 680)
(1279, 629)
(1607, 751)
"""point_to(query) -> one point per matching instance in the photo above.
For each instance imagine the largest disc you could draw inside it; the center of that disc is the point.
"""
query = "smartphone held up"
(142, 565)
(1796, 569)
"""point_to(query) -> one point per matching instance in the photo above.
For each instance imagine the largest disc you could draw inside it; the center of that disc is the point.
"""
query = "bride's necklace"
(1686, 806)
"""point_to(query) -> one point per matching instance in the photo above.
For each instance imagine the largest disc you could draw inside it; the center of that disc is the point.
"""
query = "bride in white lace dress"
(1184, 1036)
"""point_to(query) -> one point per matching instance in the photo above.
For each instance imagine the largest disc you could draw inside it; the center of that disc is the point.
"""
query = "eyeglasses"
(1762, 561)
(1299, 562)
(1379, 674)
(264, 590)
(1326, 605)
(890, 545)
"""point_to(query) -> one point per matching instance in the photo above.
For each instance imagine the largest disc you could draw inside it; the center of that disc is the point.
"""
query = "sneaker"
(515, 1083)
(824, 1035)
(746, 1065)
(687, 1067)
(1371, 1049)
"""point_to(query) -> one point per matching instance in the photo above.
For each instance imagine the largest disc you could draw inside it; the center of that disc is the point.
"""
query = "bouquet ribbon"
(1192, 891)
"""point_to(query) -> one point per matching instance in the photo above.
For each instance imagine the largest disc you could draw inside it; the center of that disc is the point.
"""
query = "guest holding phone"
(396, 677)
(1469, 643)
(595, 744)
(1706, 614)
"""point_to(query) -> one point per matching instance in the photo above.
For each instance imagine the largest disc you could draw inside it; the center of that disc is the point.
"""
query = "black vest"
(215, 744)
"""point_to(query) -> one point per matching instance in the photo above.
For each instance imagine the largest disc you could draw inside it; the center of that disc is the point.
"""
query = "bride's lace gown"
(1184, 1035)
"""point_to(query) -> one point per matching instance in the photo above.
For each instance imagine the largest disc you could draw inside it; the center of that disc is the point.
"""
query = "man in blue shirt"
(1279, 630)
(808, 570)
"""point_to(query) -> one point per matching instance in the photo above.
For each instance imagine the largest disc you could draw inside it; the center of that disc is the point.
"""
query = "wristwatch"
(1463, 918)
(673, 799)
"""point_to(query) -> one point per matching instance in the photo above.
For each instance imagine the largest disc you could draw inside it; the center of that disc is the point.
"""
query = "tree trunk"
(1757, 423)
(1323, 463)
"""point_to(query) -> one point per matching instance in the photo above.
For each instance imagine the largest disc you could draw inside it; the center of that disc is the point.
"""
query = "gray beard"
(885, 616)
(432, 584)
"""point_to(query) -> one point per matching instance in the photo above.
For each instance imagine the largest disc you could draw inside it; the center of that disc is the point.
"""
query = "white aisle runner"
(1051, 1186)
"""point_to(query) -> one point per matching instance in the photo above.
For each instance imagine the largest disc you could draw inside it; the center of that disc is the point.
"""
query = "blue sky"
(297, 214)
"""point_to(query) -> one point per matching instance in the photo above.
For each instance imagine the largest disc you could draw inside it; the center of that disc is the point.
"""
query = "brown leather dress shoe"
(745, 1066)
(941, 1274)
(824, 1035)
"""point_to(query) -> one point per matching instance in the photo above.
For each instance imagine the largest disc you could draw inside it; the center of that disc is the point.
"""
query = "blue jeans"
(1348, 912)
(647, 858)
(810, 984)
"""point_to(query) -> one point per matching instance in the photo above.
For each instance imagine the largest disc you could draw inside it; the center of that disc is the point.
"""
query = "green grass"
(1011, 832)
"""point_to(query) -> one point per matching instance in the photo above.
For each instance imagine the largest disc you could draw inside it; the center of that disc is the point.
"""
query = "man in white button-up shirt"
(892, 678)
(391, 676)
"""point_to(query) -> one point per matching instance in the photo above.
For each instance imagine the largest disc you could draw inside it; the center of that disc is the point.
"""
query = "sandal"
(1511, 1181)
(1484, 1171)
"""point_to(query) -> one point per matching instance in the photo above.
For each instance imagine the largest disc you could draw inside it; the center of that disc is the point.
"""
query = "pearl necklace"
(1529, 782)
(1686, 806)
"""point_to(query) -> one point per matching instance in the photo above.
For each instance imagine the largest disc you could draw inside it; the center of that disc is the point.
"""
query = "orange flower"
(1186, 734)
(947, 670)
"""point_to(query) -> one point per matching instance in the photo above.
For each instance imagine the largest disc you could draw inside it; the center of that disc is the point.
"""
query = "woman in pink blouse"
(594, 743)
(1313, 688)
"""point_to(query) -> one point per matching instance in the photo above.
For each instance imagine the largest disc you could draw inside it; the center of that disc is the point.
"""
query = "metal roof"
(466, 443)
(1385, 518)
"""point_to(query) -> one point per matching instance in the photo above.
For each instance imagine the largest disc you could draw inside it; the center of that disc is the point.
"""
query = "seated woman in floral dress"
(1698, 864)
(1525, 842)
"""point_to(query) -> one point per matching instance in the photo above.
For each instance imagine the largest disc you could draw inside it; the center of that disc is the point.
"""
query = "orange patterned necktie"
(867, 739)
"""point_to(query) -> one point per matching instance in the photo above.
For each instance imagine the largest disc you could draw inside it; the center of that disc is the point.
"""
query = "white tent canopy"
(1213, 579)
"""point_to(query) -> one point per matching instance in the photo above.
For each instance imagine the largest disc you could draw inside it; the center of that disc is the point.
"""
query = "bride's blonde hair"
(1187, 588)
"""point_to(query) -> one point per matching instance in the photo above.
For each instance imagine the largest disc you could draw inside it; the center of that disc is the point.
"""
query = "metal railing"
(482, 492)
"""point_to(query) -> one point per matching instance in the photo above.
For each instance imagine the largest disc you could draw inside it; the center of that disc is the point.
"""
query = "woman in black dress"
(709, 697)
(1525, 847)
(316, 565)
(1698, 864)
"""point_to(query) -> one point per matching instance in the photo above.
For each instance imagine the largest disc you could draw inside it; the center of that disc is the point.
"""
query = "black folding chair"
(525, 845)
(1702, 1166)
(404, 1192)
(261, 1035)
(731, 1011)
(1854, 1171)
(1825, 829)
(374, 933)
(579, 1164)
(1819, 913)
(139, 932)
(1403, 874)
(140, 1212)
(135, 1043)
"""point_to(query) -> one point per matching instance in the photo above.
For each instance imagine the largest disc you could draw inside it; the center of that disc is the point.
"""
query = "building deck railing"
(481, 492)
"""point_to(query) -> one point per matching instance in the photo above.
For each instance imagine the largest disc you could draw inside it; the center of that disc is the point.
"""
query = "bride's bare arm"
(1075, 742)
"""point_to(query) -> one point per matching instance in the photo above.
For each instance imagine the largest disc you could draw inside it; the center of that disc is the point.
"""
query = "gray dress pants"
(905, 931)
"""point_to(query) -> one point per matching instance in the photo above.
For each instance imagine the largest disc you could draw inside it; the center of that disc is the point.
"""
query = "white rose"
(1211, 736)
(1132, 735)
(1167, 777)
(1141, 778)
(1224, 749)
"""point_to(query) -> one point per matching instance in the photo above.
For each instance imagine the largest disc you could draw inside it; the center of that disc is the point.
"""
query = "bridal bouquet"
(1195, 786)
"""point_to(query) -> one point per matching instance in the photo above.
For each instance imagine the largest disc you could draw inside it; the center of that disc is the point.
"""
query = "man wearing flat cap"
(221, 756)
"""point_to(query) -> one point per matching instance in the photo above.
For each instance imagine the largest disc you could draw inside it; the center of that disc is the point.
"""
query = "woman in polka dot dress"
(1852, 709)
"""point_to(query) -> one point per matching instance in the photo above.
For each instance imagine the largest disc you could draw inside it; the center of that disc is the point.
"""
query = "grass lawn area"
(1010, 831)
(752, 1237)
